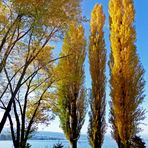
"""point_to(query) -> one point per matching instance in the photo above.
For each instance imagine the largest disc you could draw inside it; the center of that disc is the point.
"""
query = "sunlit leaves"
(126, 81)
(97, 59)
(49, 12)
(3, 13)
(71, 91)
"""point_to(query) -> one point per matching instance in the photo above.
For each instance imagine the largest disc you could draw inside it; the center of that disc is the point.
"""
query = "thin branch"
(8, 31)
(41, 68)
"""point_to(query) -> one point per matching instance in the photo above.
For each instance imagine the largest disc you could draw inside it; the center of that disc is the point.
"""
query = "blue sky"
(141, 25)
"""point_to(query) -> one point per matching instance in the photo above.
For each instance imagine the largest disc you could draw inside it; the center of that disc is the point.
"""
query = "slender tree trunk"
(120, 144)
(8, 109)
(98, 134)
(127, 145)
(23, 144)
(23, 120)
(12, 131)
(74, 123)
(74, 143)
(4, 118)
(97, 145)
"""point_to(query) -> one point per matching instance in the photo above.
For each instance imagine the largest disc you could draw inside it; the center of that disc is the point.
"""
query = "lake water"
(83, 143)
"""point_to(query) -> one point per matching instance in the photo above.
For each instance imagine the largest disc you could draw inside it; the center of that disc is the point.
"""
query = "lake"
(82, 143)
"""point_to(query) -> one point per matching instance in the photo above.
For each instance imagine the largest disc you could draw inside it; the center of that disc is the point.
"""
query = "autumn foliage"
(97, 59)
(37, 83)
(126, 72)
(71, 90)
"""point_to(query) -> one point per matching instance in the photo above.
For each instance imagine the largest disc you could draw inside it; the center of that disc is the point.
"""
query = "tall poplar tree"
(71, 91)
(126, 71)
(97, 59)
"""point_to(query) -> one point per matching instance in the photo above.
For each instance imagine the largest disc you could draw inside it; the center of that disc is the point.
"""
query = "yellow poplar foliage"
(71, 94)
(97, 58)
(74, 49)
(126, 71)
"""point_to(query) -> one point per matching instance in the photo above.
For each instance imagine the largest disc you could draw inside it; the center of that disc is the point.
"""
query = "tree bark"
(74, 143)
(8, 109)
(97, 140)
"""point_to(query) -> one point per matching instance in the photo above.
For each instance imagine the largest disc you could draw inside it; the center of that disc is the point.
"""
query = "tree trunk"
(97, 141)
(8, 109)
(127, 145)
(74, 143)
(121, 145)
(74, 122)
(23, 144)
(4, 118)
(119, 142)
(97, 145)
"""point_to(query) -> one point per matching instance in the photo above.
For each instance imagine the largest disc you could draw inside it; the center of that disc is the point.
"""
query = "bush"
(58, 145)
(137, 142)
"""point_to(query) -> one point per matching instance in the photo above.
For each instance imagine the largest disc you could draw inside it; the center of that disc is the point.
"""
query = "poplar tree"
(97, 59)
(126, 72)
(71, 91)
